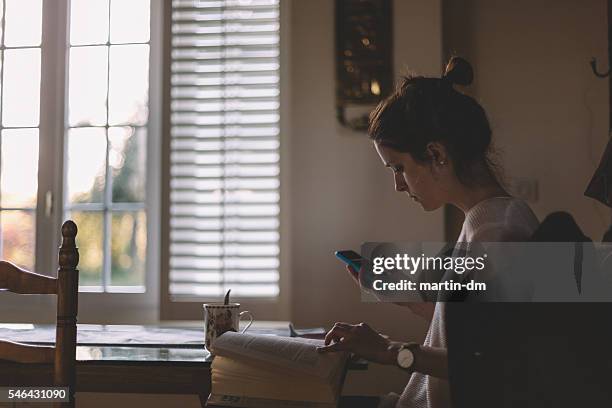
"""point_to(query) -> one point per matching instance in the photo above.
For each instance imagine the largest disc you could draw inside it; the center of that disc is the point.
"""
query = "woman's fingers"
(340, 346)
(353, 272)
(335, 335)
(337, 332)
(332, 338)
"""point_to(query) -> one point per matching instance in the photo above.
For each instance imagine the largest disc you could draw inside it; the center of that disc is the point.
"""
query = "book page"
(294, 353)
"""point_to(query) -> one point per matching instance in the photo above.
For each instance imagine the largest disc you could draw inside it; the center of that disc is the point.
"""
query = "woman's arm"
(422, 309)
(427, 360)
(362, 340)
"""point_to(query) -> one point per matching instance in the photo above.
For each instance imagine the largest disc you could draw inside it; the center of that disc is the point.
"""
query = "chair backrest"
(532, 354)
(65, 286)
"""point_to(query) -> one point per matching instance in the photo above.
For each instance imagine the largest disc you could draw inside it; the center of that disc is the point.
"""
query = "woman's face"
(413, 177)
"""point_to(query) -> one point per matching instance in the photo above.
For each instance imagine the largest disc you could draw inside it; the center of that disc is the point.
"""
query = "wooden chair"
(65, 286)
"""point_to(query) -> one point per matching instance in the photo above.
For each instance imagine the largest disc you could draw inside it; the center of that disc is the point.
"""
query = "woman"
(436, 141)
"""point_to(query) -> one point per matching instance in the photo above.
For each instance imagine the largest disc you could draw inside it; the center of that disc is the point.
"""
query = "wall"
(341, 195)
(548, 111)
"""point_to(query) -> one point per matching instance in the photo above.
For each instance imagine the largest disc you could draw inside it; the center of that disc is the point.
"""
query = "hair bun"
(459, 71)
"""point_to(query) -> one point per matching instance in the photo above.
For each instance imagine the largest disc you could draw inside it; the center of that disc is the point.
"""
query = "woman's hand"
(354, 274)
(359, 278)
(422, 309)
(371, 345)
(362, 340)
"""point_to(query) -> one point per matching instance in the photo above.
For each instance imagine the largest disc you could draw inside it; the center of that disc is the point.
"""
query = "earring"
(442, 162)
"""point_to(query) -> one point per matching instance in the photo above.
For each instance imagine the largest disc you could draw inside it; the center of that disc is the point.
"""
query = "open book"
(271, 371)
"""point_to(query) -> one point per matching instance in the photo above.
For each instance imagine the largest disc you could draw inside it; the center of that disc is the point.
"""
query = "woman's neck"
(468, 197)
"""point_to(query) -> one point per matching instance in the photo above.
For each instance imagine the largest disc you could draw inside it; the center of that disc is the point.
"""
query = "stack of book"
(271, 371)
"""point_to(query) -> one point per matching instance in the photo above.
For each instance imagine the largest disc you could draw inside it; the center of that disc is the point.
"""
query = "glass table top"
(174, 342)
(143, 354)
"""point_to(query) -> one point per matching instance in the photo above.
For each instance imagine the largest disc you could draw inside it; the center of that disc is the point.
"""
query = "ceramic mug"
(220, 318)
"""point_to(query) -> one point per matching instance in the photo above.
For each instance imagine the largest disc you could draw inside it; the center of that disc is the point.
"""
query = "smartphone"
(351, 258)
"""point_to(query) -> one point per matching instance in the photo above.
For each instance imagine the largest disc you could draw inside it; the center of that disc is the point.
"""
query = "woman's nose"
(400, 183)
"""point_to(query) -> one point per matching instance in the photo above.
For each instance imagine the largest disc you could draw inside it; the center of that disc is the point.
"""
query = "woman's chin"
(429, 206)
(426, 204)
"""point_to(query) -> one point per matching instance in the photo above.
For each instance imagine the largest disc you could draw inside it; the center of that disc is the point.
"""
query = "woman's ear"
(437, 153)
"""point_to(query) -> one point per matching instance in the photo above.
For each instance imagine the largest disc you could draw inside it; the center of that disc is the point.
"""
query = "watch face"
(405, 358)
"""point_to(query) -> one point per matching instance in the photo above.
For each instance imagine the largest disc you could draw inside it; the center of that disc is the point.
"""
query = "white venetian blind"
(224, 181)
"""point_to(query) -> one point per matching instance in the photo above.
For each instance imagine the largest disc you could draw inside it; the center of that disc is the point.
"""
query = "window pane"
(86, 165)
(23, 23)
(88, 85)
(130, 21)
(18, 242)
(129, 84)
(19, 172)
(128, 247)
(127, 160)
(89, 21)
(90, 244)
(21, 101)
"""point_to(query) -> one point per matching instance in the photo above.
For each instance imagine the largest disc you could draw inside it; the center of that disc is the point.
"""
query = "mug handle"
(250, 317)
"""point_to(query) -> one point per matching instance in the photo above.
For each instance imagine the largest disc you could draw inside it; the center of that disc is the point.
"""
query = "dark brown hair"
(424, 110)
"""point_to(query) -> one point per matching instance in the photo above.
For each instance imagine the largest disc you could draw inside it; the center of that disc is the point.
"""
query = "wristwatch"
(406, 357)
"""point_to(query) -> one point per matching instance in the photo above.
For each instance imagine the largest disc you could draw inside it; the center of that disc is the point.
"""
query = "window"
(74, 95)
(106, 140)
(224, 149)
(20, 58)
(84, 85)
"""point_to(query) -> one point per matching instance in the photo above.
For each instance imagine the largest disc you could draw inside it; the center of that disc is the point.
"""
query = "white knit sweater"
(496, 219)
